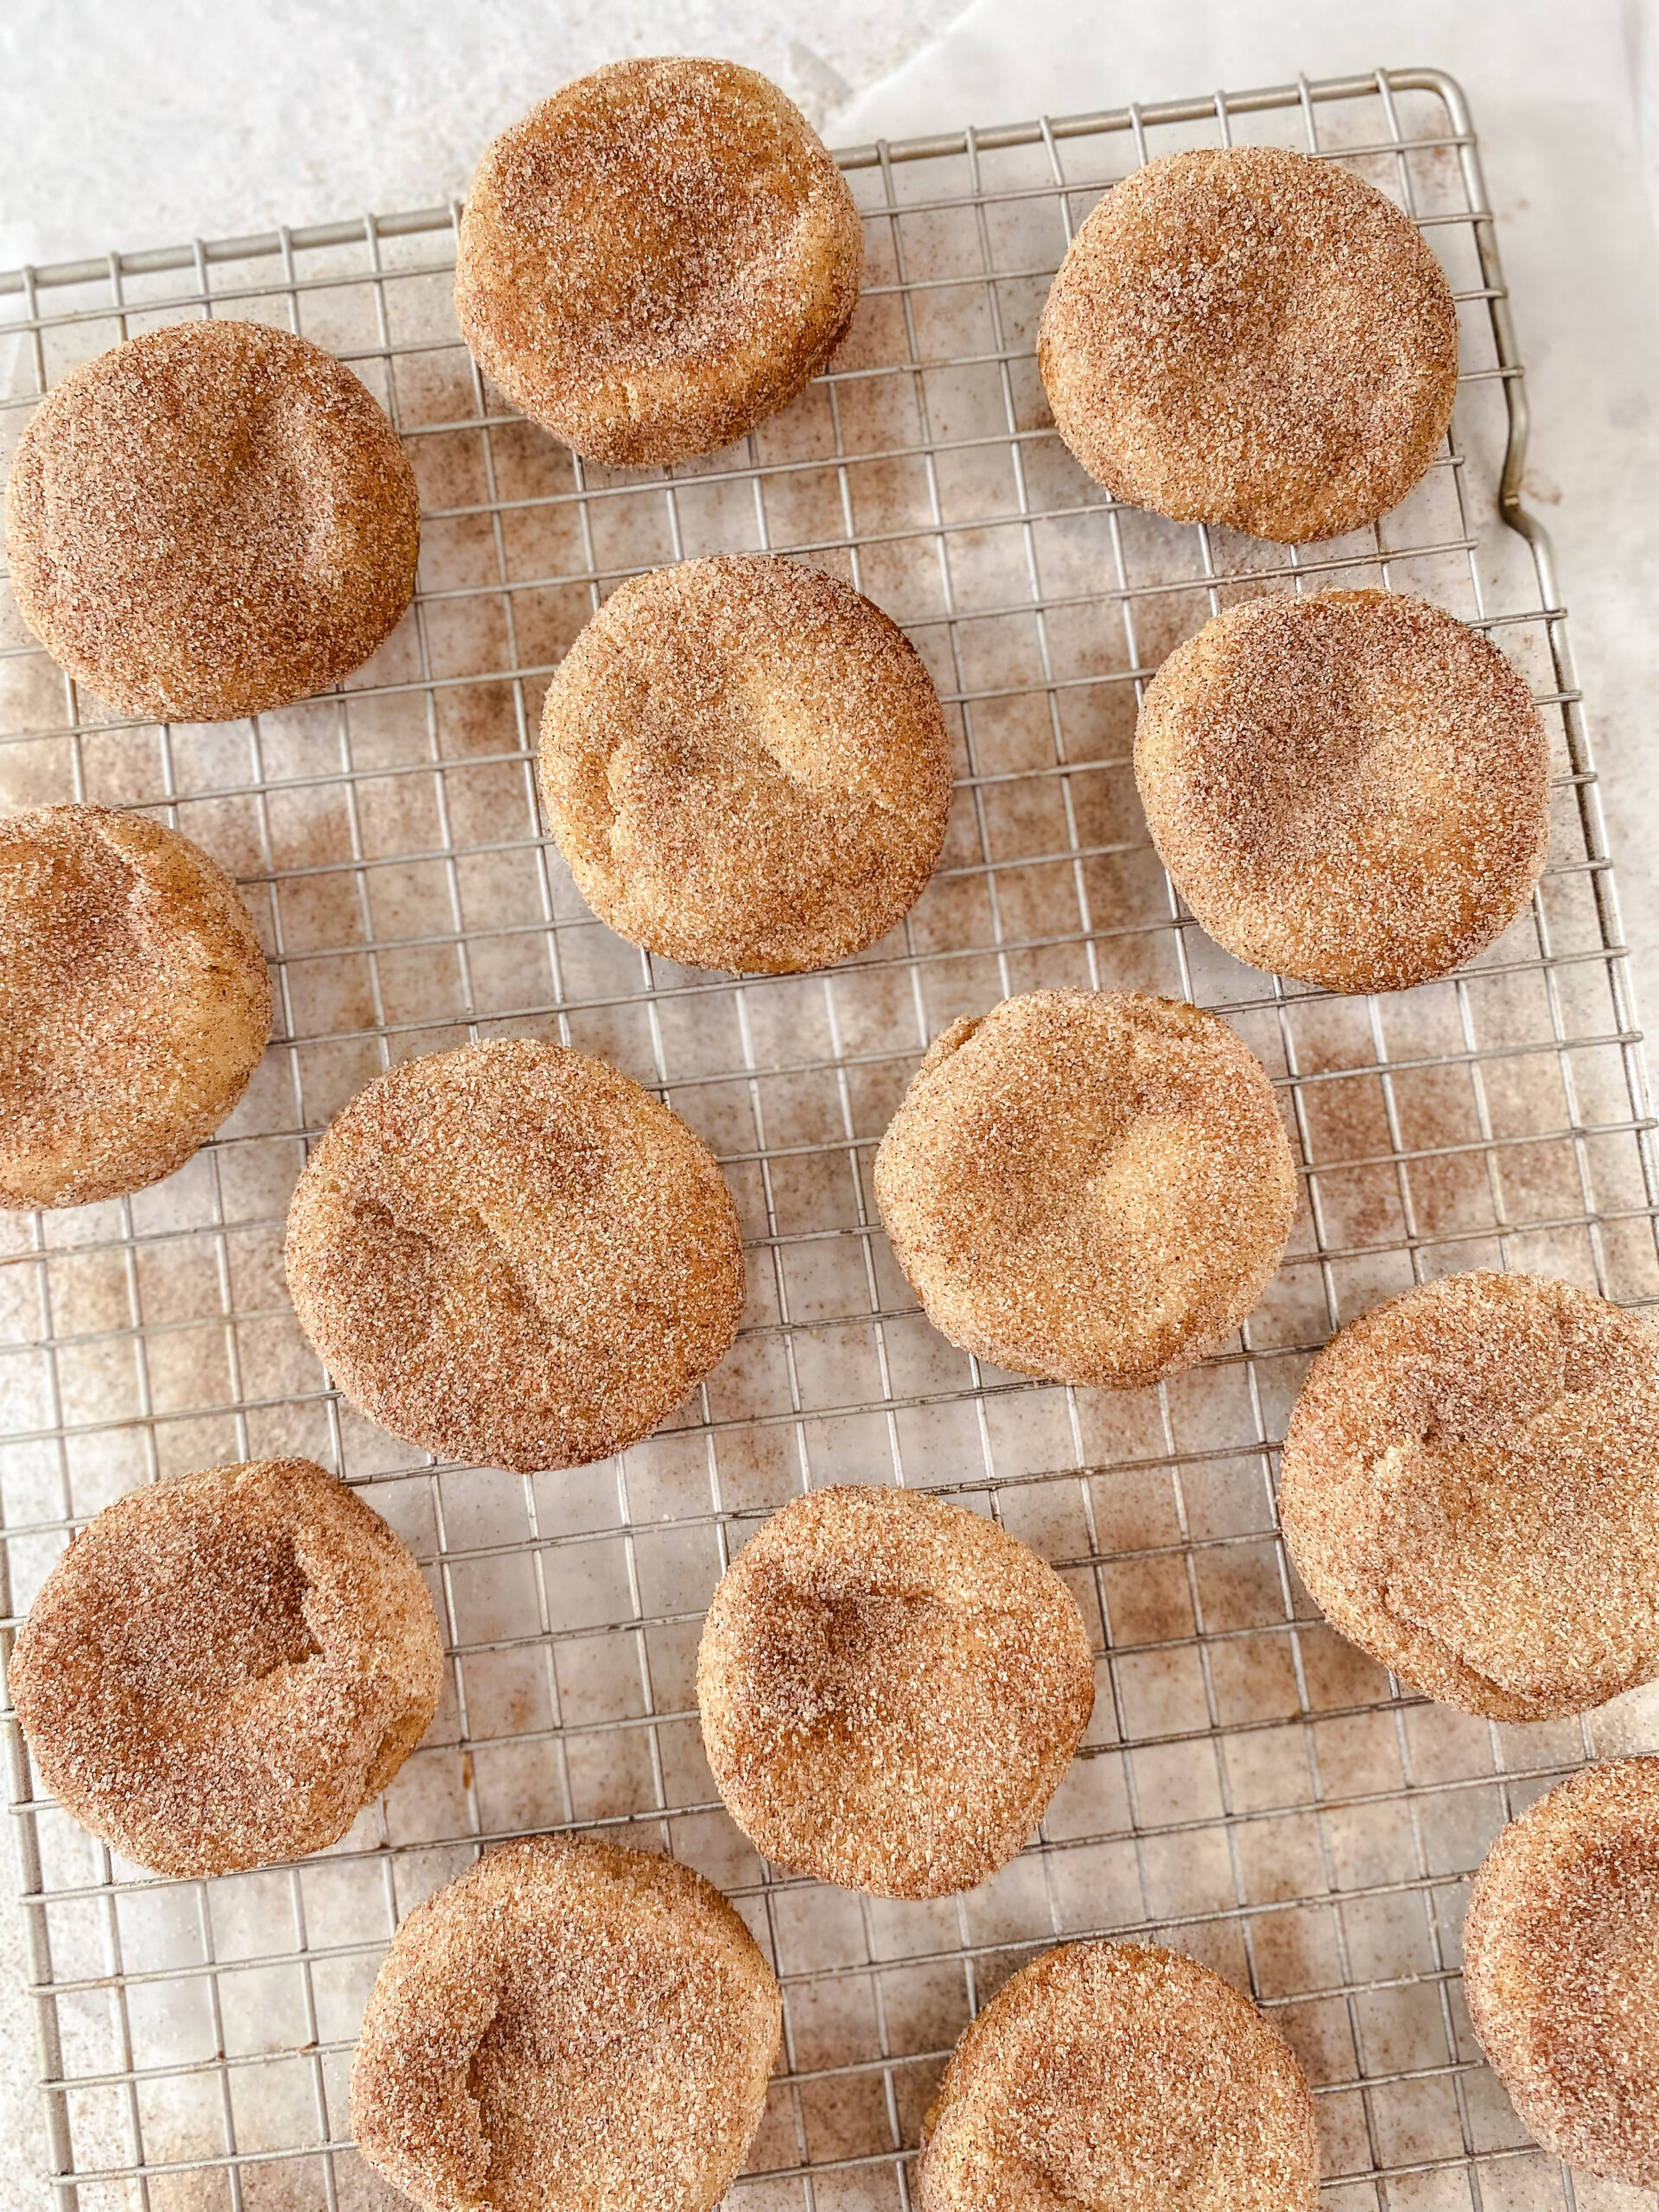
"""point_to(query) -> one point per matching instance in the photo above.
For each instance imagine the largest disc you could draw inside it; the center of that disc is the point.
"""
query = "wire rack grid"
(1251, 1789)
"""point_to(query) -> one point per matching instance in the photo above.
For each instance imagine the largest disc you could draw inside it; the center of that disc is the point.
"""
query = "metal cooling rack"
(1252, 1789)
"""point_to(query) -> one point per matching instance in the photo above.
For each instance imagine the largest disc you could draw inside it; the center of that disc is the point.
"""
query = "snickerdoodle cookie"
(210, 520)
(746, 765)
(225, 1668)
(1091, 1186)
(567, 2026)
(891, 1689)
(1118, 2077)
(1351, 788)
(1561, 1966)
(657, 259)
(1471, 1492)
(1252, 337)
(134, 1003)
(514, 1255)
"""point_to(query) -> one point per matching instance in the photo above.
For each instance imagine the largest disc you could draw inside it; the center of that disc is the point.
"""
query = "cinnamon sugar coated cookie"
(1470, 1491)
(746, 765)
(1251, 337)
(657, 259)
(891, 1689)
(1561, 1967)
(212, 520)
(567, 2026)
(134, 1003)
(1118, 2077)
(1349, 787)
(224, 1668)
(511, 1254)
(1091, 1186)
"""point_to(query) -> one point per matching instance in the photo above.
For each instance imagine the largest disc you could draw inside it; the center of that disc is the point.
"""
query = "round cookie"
(1091, 1186)
(891, 1689)
(1251, 337)
(1561, 1967)
(513, 1256)
(134, 1003)
(224, 1668)
(657, 259)
(1118, 2077)
(210, 520)
(746, 765)
(1348, 787)
(569, 2025)
(1470, 1490)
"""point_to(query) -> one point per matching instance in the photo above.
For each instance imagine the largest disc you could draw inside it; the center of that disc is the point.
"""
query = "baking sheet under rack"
(1252, 1789)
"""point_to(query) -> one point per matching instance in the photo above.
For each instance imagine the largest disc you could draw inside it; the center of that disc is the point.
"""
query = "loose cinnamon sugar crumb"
(1118, 2077)
(134, 1003)
(1091, 1186)
(210, 520)
(1471, 1492)
(657, 259)
(890, 1690)
(1348, 787)
(568, 2027)
(224, 1668)
(1251, 337)
(514, 1255)
(1560, 1966)
(746, 765)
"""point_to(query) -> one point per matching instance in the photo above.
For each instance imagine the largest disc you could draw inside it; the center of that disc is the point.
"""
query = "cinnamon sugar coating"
(1120, 2077)
(212, 520)
(1349, 787)
(657, 259)
(1561, 1967)
(567, 2026)
(134, 1003)
(1251, 337)
(1091, 1186)
(1470, 1490)
(512, 1255)
(891, 1689)
(224, 1668)
(746, 765)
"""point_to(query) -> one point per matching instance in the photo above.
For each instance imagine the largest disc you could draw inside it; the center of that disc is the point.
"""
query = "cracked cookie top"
(134, 1003)
(891, 1689)
(566, 2026)
(1471, 1492)
(1091, 1186)
(210, 520)
(513, 1256)
(225, 1668)
(746, 765)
